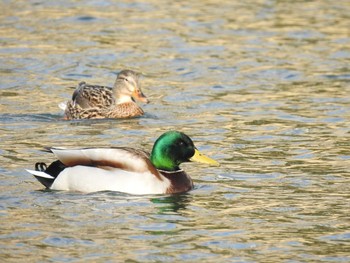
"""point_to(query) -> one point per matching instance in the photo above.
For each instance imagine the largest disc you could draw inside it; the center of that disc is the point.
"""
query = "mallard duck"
(98, 102)
(124, 169)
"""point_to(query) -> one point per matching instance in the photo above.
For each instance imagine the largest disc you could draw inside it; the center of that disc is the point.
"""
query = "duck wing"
(124, 158)
(93, 96)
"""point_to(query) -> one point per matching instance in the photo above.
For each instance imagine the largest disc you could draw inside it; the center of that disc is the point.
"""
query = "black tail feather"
(54, 170)
(47, 182)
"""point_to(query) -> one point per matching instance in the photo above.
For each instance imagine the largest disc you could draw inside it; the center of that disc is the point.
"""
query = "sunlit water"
(262, 87)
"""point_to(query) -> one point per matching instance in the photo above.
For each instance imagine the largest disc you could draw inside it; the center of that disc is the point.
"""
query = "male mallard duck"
(98, 102)
(124, 169)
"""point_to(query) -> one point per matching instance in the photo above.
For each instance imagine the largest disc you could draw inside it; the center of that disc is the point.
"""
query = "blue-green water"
(263, 87)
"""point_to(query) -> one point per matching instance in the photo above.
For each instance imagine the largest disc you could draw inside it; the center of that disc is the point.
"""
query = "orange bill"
(138, 95)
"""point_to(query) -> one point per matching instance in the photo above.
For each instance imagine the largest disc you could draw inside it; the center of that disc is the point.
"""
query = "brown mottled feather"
(93, 96)
(123, 110)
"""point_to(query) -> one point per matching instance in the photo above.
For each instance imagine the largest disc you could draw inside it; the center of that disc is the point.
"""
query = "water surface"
(262, 87)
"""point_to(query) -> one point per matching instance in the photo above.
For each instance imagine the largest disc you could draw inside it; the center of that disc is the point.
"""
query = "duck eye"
(181, 143)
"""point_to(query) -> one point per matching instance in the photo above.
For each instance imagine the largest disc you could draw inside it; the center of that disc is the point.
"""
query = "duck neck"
(121, 97)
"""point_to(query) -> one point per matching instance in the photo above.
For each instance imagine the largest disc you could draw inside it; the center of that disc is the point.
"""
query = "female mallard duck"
(124, 169)
(98, 102)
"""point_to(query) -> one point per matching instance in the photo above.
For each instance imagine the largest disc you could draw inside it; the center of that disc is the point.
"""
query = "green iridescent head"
(173, 148)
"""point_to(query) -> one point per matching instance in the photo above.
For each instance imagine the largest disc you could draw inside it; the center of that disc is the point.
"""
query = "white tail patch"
(40, 174)
(62, 106)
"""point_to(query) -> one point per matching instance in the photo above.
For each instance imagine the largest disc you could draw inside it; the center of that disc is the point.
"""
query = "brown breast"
(124, 110)
(180, 182)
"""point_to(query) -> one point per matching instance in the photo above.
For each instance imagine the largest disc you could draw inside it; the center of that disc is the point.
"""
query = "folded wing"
(127, 159)
(90, 96)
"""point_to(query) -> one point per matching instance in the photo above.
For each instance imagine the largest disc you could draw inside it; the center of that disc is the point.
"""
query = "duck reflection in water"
(172, 203)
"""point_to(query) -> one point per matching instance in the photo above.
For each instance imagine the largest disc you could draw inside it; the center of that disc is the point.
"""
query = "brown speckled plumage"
(98, 102)
(116, 111)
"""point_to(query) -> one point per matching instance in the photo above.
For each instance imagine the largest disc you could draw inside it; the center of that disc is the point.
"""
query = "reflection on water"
(174, 203)
(261, 86)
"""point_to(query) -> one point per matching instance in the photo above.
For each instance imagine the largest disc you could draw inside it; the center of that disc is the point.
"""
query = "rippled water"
(262, 87)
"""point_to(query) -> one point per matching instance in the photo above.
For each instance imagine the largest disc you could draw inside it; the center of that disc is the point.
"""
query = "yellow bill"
(201, 158)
